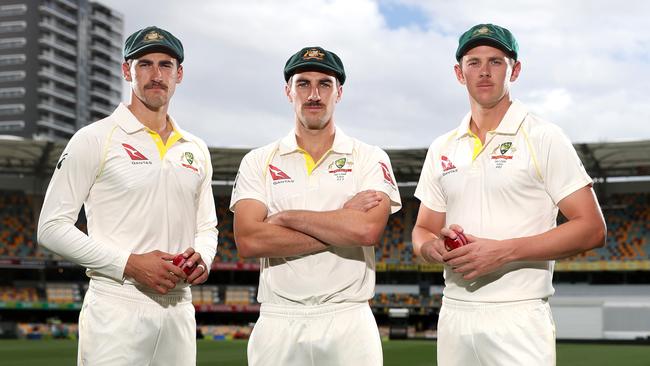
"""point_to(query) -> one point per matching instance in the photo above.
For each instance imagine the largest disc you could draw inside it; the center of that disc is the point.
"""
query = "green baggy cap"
(315, 59)
(487, 35)
(152, 39)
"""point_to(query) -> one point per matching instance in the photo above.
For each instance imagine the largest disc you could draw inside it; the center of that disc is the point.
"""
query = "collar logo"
(136, 156)
(187, 159)
(278, 175)
(388, 178)
(313, 54)
(153, 36)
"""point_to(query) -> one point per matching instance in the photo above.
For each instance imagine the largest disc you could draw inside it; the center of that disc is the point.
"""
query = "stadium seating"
(17, 226)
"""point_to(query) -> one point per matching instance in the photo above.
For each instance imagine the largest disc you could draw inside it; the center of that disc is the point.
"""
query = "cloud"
(584, 64)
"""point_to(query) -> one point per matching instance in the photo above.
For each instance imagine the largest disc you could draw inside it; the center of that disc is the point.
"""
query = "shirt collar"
(342, 143)
(509, 125)
(130, 123)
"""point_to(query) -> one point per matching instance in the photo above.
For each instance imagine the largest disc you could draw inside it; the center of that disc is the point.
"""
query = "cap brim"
(308, 66)
(484, 41)
(151, 49)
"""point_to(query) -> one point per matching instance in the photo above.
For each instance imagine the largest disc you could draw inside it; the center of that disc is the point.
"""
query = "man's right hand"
(154, 270)
(363, 201)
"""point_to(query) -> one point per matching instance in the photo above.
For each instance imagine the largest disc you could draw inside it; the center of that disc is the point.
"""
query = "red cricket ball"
(452, 244)
(179, 261)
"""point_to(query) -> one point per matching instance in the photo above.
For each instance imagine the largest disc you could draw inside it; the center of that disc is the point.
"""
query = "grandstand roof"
(602, 159)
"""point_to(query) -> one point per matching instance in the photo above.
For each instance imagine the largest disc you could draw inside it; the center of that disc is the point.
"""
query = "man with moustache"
(146, 187)
(499, 178)
(312, 206)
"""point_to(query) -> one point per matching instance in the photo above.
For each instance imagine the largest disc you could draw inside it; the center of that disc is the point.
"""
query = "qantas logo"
(447, 166)
(278, 175)
(386, 170)
(135, 155)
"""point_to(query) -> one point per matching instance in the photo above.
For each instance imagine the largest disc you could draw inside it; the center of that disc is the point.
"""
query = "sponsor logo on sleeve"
(387, 176)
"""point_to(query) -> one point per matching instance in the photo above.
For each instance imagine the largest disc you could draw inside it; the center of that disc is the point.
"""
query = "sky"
(585, 64)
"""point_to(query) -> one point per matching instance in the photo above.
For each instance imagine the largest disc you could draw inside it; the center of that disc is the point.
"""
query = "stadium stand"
(17, 226)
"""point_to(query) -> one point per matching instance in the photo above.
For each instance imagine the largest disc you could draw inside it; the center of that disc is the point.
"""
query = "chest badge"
(187, 159)
(502, 154)
(340, 168)
(278, 175)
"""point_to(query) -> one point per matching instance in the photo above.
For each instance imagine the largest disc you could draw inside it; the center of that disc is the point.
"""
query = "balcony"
(101, 108)
(56, 125)
(55, 92)
(112, 22)
(59, 13)
(114, 39)
(111, 82)
(69, 4)
(52, 58)
(55, 43)
(114, 68)
(57, 109)
(52, 26)
(57, 76)
(111, 97)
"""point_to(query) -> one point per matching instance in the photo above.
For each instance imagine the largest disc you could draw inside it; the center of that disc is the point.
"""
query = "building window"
(13, 9)
(12, 92)
(6, 126)
(17, 26)
(12, 75)
(12, 42)
(10, 109)
(17, 59)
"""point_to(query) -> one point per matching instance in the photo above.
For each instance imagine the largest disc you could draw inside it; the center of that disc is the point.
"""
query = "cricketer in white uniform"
(312, 206)
(146, 188)
(500, 178)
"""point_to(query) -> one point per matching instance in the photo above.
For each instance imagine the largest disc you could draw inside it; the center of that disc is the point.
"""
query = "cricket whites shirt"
(139, 195)
(508, 187)
(283, 176)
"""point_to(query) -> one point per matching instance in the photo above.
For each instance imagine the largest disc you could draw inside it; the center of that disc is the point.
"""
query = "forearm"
(421, 236)
(570, 238)
(69, 242)
(262, 239)
(205, 243)
(343, 227)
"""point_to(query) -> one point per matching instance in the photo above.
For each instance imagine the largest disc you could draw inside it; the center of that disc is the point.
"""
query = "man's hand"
(363, 201)
(154, 270)
(479, 258)
(200, 273)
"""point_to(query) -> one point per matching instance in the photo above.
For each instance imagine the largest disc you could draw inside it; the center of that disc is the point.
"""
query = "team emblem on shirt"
(502, 154)
(187, 158)
(340, 168)
(447, 165)
(278, 175)
(387, 176)
(136, 156)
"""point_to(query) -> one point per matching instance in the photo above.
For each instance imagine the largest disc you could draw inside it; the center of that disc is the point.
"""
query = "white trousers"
(336, 334)
(496, 334)
(122, 325)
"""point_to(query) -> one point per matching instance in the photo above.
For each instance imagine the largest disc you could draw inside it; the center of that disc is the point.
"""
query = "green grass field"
(396, 353)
